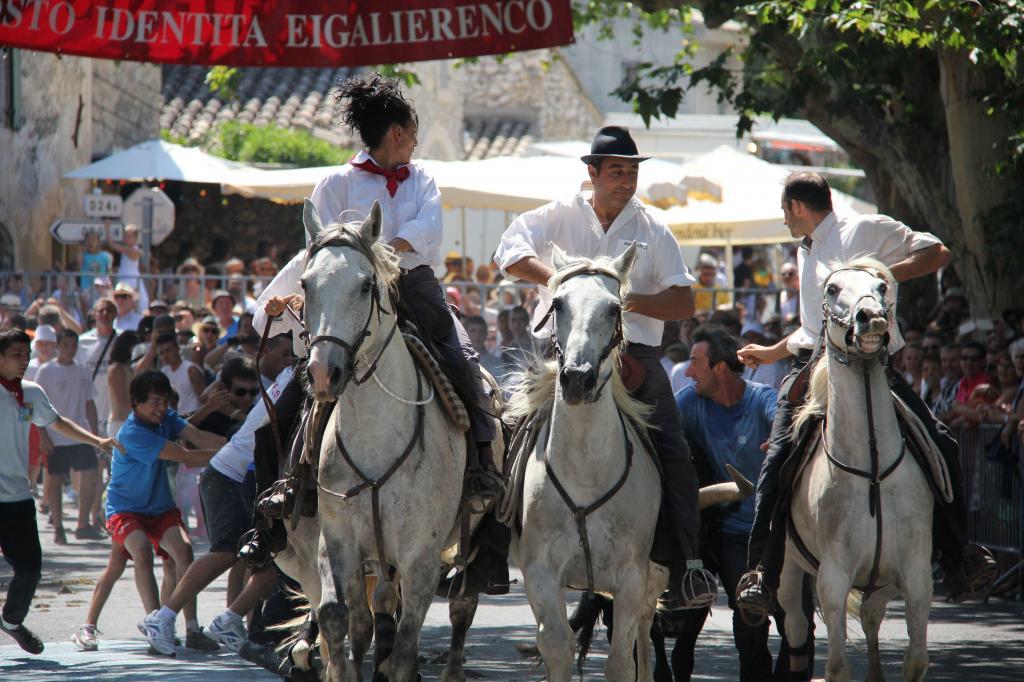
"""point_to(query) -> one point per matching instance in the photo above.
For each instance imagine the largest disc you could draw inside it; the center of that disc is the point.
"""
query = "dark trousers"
(425, 303)
(726, 554)
(19, 542)
(767, 540)
(677, 535)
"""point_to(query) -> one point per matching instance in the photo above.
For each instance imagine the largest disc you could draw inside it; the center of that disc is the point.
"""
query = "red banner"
(286, 32)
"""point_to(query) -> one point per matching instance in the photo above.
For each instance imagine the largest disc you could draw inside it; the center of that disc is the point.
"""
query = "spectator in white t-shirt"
(126, 299)
(72, 393)
(186, 378)
(44, 349)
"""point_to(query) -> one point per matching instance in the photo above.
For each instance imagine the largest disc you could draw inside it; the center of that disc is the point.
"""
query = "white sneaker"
(228, 631)
(85, 638)
(159, 632)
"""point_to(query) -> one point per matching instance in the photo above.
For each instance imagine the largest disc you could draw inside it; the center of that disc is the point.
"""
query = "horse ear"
(311, 219)
(559, 260)
(370, 229)
(624, 263)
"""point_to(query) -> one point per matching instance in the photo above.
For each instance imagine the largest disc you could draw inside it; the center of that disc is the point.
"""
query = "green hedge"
(254, 144)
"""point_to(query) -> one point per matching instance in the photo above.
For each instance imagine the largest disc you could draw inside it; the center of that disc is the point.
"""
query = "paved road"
(967, 642)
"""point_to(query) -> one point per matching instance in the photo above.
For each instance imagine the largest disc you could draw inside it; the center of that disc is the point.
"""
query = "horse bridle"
(354, 346)
(842, 356)
(615, 340)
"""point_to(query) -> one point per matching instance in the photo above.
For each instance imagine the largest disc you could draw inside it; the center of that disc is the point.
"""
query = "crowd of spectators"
(93, 333)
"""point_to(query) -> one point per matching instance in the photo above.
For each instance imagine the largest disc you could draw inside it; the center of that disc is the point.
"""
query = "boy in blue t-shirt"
(22, 405)
(141, 515)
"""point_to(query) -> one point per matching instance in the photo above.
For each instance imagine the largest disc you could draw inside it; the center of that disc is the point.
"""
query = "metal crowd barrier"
(994, 495)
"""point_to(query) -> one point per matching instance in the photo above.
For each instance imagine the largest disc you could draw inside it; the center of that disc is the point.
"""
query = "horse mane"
(816, 402)
(533, 389)
(382, 257)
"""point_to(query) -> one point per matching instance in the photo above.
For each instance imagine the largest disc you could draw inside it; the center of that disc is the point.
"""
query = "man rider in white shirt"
(606, 224)
(828, 239)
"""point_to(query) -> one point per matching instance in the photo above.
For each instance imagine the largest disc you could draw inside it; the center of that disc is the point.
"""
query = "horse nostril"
(335, 375)
(862, 316)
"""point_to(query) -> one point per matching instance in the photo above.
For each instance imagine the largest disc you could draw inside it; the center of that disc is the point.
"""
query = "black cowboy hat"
(612, 141)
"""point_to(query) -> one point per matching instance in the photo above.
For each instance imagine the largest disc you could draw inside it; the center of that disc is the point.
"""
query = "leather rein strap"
(581, 513)
(874, 479)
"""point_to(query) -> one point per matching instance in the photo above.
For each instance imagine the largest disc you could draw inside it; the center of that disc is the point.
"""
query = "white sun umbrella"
(159, 160)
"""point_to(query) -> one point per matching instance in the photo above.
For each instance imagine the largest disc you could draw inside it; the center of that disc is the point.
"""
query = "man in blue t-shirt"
(725, 420)
(141, 515)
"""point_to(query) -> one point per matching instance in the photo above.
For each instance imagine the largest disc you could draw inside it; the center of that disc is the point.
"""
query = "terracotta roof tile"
(487, 137)
(292, 98)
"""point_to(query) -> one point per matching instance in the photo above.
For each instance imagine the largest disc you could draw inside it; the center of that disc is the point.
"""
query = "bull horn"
(736, 490)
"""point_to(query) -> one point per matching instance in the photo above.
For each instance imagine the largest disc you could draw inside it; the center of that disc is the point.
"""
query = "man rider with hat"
(606, 223)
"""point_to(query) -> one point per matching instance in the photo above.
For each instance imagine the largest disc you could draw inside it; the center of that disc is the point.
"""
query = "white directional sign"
(74, 231)
(163, 212)
(102, 205)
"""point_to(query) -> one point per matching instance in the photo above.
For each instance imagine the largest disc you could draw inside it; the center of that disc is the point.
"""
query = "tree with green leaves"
(927, 97)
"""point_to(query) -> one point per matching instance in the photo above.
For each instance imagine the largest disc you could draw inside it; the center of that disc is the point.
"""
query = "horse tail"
(583, 621)
(853, 602)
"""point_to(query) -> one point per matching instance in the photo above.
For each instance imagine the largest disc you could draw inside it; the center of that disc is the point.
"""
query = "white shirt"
(188, 401)
(413, 214)
(234, 457)
(71, 388)
(285, 282)
(90, 347)
(573, 225)
(15, 421)
(837, 240)
(128, 323)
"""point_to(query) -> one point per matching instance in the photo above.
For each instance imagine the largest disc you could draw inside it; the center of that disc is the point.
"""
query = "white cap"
(45, 332)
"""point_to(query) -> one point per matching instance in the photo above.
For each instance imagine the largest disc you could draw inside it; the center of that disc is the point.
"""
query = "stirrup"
(699, 587)
(278, 501)
(482, 485)
(977, 571)
(755, 601)
(255, 549)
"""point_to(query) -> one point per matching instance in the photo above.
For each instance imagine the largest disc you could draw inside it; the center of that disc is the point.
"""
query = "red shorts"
(35, 449)
(122, 524)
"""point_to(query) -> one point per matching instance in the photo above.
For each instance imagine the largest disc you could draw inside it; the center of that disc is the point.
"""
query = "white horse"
(382, 427)
(589, 451)
(857, 534)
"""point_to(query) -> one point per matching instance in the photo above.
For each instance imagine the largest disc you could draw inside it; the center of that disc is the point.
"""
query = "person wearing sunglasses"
(228, 400)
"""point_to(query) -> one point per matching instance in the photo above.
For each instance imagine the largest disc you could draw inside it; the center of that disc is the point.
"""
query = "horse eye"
(302, 283)
(556, 305)
(883, 288)
(614, 310)
(367, 286)
(832, 290)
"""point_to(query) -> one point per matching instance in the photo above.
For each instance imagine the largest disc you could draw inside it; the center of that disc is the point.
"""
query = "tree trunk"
(975, 144)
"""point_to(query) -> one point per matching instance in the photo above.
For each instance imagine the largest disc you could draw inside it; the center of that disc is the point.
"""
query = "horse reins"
(580, 513)
(353, 348)
(874, 477)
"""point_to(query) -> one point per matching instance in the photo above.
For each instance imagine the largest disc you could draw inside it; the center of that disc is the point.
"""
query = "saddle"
(453, 406)
(920, 445)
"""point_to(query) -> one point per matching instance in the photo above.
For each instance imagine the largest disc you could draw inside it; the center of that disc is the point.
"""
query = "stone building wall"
(126, 104)
(55, 137)
(438, 103)
(559, 108)
(74, 109)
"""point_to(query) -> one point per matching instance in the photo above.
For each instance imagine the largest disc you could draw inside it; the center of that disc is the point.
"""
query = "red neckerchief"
(394, 176)
(14, 386)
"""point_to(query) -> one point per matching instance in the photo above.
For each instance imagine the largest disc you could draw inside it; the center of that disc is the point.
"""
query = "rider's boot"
(692, 587)
(754, 598)
(278, 501)
(970, 574)
(260, 544)
(483, 481)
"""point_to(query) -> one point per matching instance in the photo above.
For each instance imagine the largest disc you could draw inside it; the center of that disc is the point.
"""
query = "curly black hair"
(375, 103)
